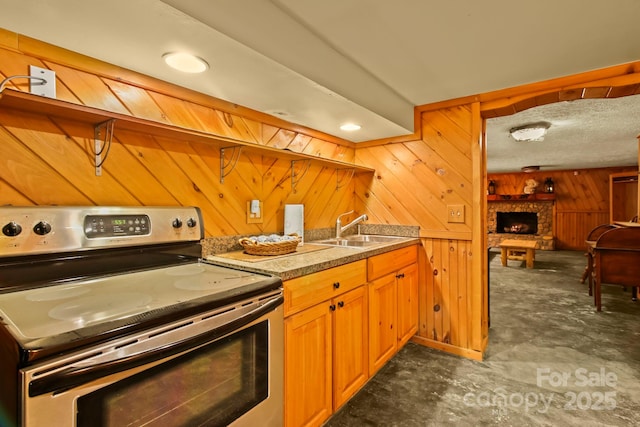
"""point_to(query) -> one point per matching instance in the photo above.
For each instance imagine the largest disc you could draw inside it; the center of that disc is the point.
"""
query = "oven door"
(195, 372)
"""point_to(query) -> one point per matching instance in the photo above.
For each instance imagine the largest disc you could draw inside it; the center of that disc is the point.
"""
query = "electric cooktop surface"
(62, 308)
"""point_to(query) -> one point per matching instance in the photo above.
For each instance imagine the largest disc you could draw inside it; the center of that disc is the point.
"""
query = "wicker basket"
(270, 248)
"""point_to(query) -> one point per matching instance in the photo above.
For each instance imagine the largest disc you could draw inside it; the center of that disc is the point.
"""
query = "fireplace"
(541, 211)
(517, 222)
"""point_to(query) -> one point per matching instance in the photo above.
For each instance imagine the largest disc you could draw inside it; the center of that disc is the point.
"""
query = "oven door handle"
(78, 375)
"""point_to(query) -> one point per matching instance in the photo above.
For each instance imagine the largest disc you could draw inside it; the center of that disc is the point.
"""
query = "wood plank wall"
(49, 161)
(415, 183)
(582, 199)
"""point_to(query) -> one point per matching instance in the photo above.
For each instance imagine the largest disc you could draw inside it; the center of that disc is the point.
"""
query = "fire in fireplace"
(517, 222)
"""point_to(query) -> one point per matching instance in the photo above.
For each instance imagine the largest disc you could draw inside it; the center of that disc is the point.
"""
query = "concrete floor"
(551, 361)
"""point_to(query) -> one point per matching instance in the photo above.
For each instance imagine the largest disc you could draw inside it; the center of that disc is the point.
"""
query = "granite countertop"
(294, 265)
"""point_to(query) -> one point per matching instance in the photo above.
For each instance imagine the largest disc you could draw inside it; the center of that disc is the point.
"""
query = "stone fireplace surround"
(544, 237)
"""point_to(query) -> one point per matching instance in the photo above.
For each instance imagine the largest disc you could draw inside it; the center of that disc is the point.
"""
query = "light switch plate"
(38, 87)
(455, 213)
(253, 218)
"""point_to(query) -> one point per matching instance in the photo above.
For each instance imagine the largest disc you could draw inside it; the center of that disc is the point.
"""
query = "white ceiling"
(323, 63)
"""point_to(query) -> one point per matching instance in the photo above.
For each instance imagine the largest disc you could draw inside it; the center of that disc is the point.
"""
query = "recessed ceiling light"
(185, 62)
(350, 127)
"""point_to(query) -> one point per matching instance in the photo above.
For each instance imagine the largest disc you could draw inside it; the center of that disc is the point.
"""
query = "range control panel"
(116, 225)
(45, 229)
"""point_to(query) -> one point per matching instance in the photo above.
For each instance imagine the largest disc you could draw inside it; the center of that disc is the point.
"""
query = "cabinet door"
(383, 307)
(308, 365)
(407, 303)
(350, 343)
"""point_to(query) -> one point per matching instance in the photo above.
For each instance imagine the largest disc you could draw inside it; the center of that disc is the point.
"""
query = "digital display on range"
(116, 225)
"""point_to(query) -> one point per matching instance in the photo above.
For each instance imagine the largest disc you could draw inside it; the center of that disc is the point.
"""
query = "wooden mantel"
(540, 197)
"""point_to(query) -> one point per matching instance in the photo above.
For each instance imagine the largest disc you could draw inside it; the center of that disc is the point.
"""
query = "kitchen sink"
(359, 240)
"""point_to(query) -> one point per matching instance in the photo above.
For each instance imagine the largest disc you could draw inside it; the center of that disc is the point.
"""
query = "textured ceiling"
(323, 63)
(586, 133)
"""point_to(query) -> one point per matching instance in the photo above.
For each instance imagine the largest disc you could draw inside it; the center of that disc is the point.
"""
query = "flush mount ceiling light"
(529, 169)
(530, 132)
(350, 127)
(185, 62)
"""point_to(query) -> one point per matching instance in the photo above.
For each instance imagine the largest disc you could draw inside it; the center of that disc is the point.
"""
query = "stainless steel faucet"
(340, 229)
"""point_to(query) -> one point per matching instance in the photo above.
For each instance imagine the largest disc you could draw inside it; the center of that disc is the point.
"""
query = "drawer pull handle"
(332, 307)
(336, 285)
(400, 276)
(341, 304)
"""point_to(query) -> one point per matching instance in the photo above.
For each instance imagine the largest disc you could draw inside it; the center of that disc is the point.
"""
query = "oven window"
(210, 386)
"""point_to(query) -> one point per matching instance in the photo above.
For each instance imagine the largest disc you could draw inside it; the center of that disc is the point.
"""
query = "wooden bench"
(519, 250)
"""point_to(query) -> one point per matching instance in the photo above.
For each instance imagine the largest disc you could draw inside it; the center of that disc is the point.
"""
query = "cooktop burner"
(95, 308)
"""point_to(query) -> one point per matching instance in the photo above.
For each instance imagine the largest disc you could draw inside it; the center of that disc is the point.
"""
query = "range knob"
(177, 223)
(42, 228)
(191, 223)
(12, 229)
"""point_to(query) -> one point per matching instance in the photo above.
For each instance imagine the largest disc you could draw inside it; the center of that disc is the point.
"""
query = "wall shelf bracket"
(343, 177)
(297, 175)
(227, 166)
(102, 138)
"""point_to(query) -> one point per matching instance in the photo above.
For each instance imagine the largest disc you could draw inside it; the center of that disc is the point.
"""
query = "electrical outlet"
(46, 86)
(455, 213)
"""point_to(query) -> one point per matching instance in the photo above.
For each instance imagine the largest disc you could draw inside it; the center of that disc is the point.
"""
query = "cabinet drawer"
(383, 264)
(305, 291)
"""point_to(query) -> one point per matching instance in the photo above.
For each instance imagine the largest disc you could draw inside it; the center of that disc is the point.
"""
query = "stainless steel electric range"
(109, 317)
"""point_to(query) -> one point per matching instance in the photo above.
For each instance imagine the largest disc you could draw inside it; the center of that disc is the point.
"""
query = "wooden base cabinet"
(407, 282)
(350, 345)
(325, 343)
(383, 313)
(393, 303)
